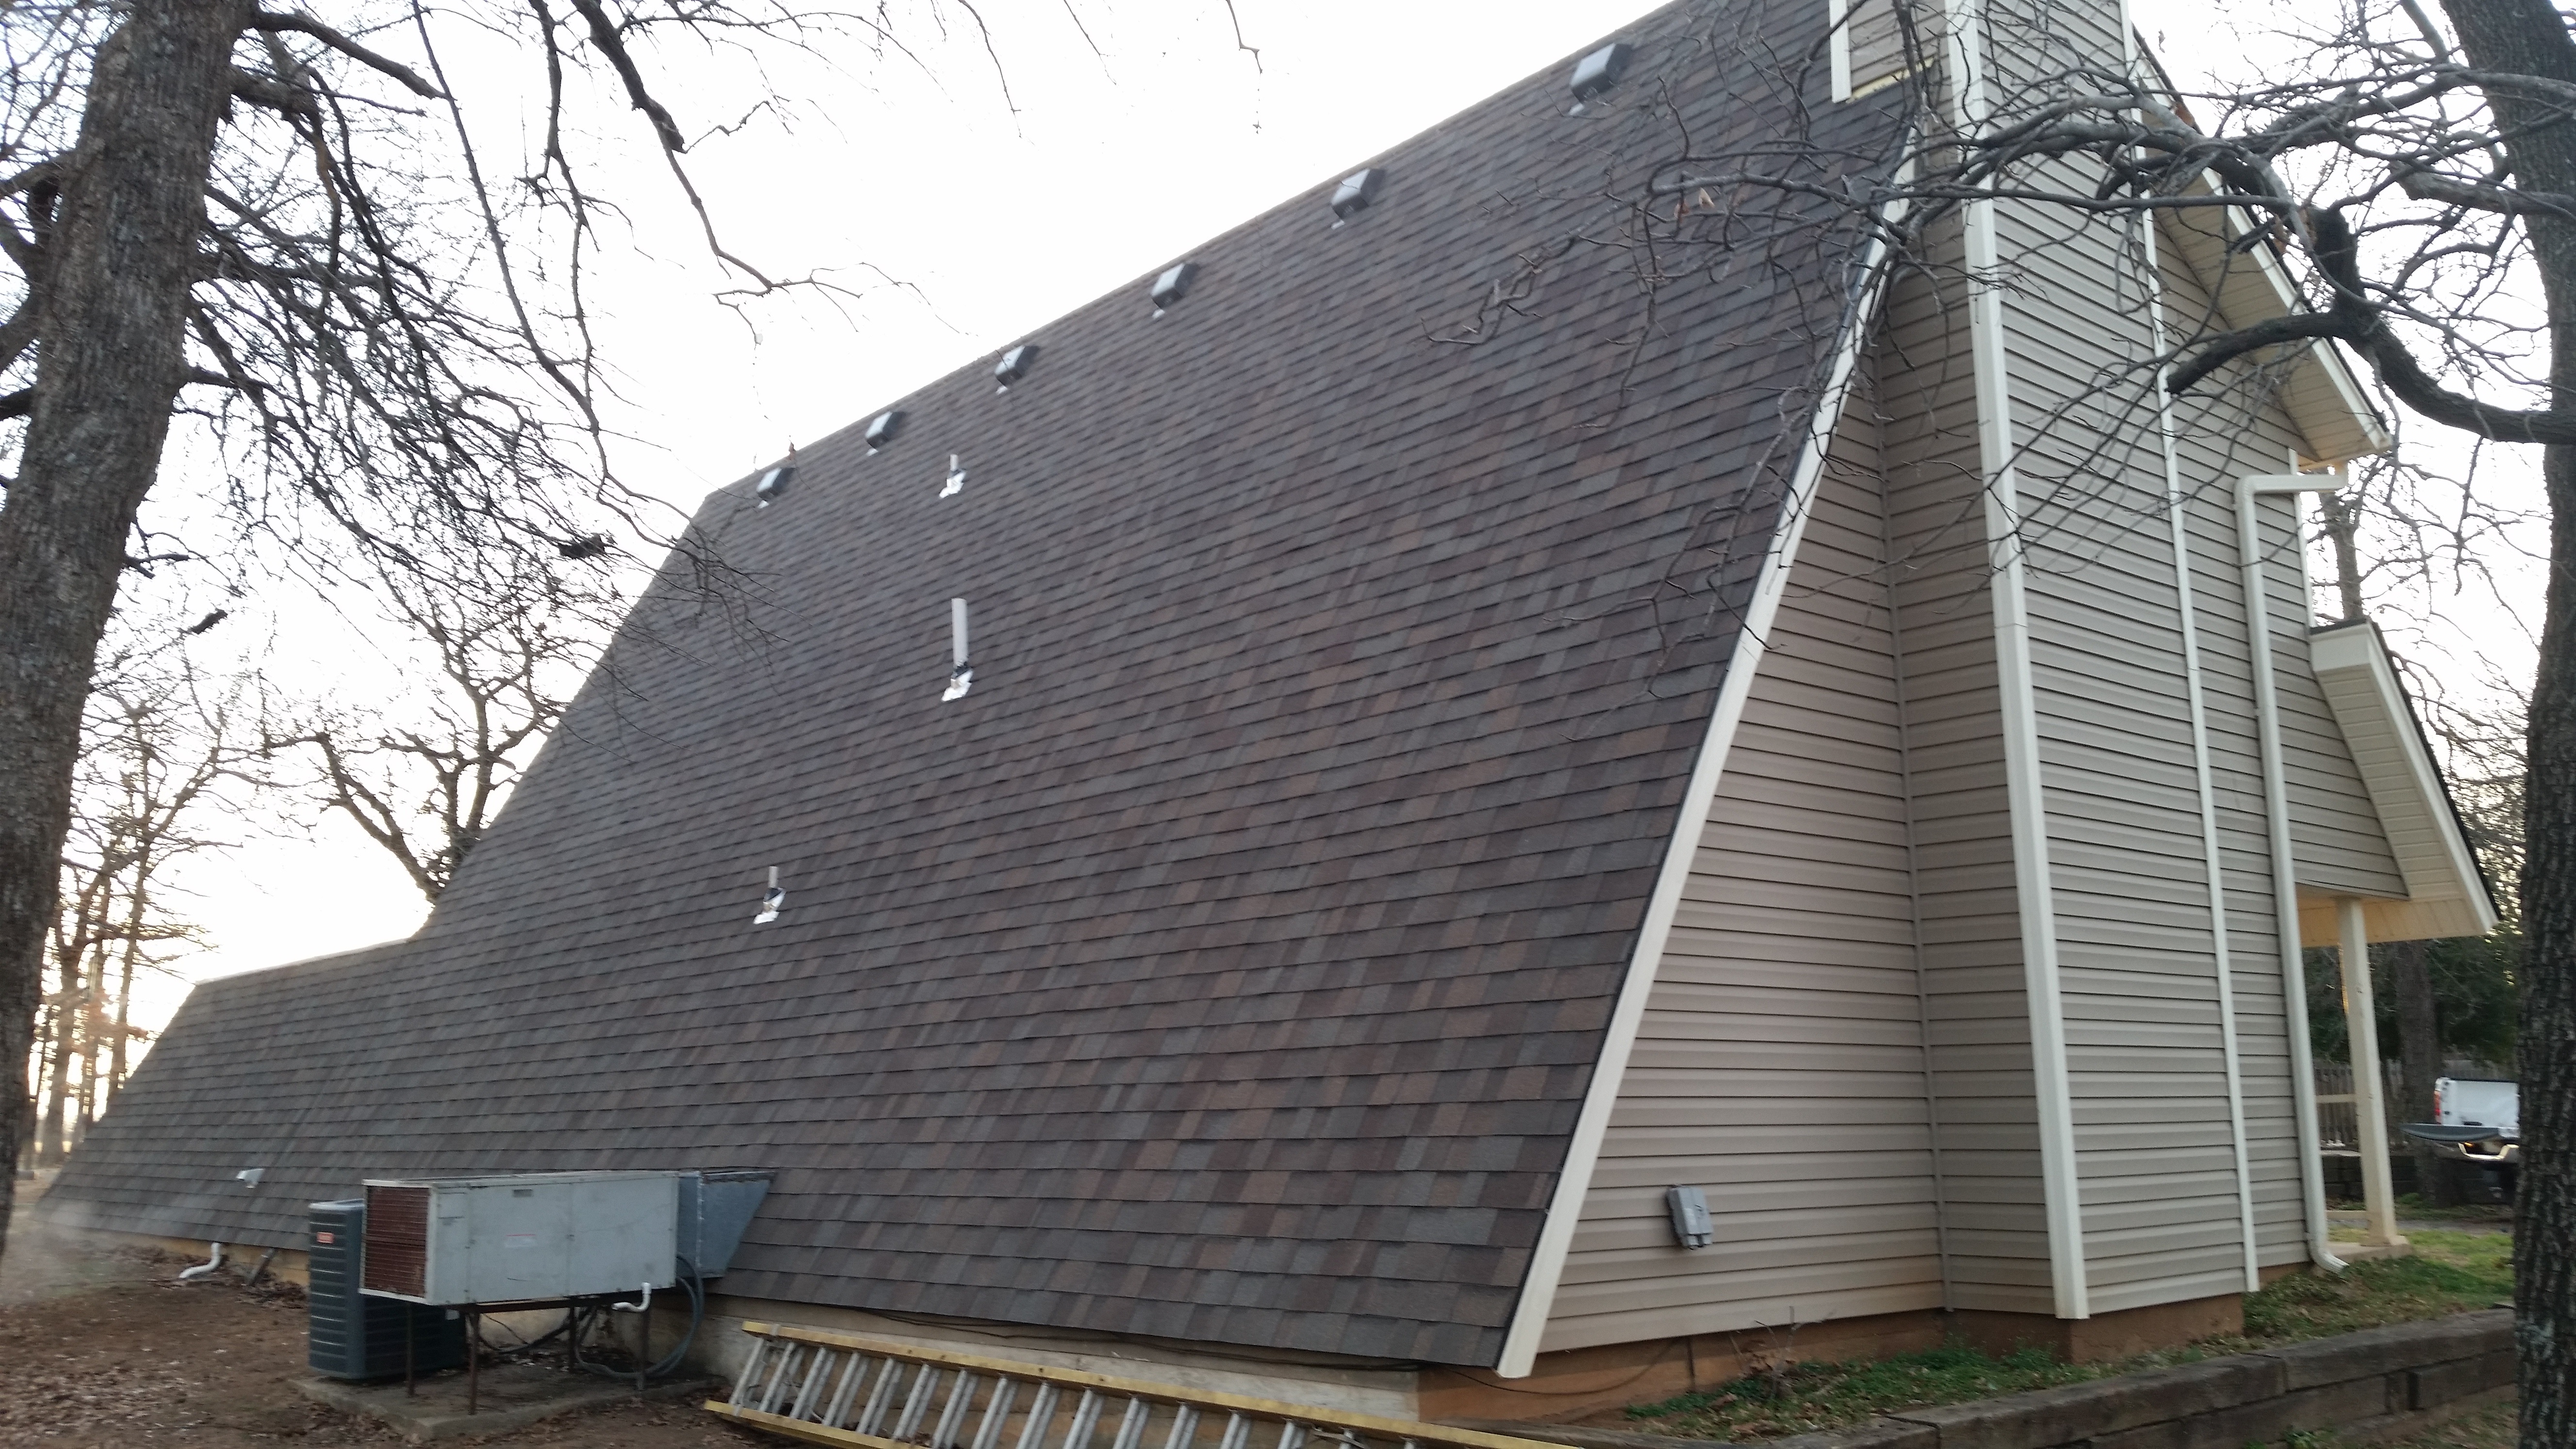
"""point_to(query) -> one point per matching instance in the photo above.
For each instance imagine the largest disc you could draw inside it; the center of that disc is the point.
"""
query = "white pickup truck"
(2480, 1118)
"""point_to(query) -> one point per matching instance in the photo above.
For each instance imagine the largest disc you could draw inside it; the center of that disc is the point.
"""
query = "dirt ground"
(108, 1349)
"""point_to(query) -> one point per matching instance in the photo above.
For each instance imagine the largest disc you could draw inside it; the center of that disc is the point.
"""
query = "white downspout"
(2285, 869)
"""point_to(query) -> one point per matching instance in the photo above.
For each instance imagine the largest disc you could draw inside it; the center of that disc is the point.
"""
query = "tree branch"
(605, 39)
(2433, 186)
(270, 95)
(275, 21)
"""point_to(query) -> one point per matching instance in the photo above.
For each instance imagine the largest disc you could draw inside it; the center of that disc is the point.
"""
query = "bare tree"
(277, 232)
(423, 774)
(160, 749)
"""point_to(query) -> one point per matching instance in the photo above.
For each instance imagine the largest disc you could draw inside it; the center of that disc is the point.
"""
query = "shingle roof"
(1228, 965)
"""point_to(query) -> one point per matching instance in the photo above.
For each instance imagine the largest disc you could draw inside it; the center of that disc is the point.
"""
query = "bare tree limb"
(290, 21)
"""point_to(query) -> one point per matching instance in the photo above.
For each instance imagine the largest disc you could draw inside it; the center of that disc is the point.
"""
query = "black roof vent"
(1173, 285)
(1356, 192)
(882, 431)
(1597, 72)
(1015, 364)
(773, 484)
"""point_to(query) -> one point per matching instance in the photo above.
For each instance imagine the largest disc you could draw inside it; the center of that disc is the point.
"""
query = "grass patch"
(1800, 1397)
(2449, 1273)
(2412, 1205)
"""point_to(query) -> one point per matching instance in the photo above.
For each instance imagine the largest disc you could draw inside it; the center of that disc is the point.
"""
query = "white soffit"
(2445, 894)
(2321, 394)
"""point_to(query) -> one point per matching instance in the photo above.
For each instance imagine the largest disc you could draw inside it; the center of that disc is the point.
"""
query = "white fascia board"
(2324, 396)
(1610, 1070)
(2379, 726)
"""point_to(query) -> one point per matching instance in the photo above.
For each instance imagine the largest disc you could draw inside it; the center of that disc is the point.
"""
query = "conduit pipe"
(191, 1275)
(2285, 868)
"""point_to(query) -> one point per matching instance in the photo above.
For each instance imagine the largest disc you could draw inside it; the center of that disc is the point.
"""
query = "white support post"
(2369, 1088)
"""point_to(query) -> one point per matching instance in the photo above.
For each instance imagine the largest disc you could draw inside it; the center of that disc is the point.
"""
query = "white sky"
(1113, 166)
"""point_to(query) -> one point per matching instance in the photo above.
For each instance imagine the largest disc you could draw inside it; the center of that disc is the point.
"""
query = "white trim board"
(1610, 1070)
(2051, 1098)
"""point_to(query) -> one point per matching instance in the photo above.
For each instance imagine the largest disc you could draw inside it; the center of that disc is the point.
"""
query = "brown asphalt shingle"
(1228, 965)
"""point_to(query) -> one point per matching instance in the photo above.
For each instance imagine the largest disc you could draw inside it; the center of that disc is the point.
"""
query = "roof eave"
(2322, 394)
(2446, 892)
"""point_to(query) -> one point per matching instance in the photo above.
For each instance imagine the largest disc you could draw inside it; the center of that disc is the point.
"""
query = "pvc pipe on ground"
(191, 1275)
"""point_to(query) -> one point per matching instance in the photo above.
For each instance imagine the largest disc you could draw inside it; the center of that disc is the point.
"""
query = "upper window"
(1870, 44)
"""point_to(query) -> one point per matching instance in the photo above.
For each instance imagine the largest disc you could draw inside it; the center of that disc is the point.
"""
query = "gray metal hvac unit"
(514, 1237)
(350, 1335)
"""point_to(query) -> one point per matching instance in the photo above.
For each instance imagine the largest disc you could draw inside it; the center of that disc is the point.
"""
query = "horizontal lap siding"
(1979, 1029)
(2128, 864)
(1779, 1067)
(2221, 434)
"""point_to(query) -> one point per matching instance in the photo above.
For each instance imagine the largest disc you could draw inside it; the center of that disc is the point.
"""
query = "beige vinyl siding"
(1978, 1044)
(2135, 908)
(2221, 435)
(1779, 1067)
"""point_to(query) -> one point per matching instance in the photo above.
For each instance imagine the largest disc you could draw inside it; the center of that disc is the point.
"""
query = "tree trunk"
(2530, 37)
(2342, 523)
(2419, 1053)
(112, 318)
(93, 1012)
(124, 1022)
(58, 1070)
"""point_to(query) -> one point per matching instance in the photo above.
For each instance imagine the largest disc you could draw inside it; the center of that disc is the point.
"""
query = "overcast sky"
(993, 217)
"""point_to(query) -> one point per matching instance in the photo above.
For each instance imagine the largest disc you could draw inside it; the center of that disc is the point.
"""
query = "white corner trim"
(1610, 1070)
(2050, 1095)
(2213, 864)
(1838, 46)
(2285, 869)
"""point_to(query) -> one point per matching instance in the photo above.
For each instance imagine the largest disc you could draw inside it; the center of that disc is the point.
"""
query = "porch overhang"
(2446, 893)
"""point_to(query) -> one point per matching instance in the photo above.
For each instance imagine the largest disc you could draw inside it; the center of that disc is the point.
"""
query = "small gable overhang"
(2247, 281)
(2446, 892)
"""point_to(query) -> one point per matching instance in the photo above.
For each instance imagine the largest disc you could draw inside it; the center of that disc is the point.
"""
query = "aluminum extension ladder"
(841, 1388)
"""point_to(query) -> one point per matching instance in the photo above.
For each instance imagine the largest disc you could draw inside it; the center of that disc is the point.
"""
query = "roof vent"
(773, 484)
(961, 676)
(1356, 192)
(882, 431)
(956, 478)
(770, 900)
(1015, 364)
(1597, 72)
(1173, 285)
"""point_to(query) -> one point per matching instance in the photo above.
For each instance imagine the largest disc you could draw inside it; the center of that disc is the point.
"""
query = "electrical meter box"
(512, 1237)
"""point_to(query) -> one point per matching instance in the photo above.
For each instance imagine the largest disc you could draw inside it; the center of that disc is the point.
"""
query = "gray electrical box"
(517, 1236)
(1689, 1207)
